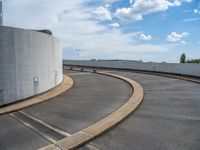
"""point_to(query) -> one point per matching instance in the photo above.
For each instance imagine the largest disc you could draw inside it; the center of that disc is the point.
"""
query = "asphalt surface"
(167, 119)
(14, 136)
(92, 98)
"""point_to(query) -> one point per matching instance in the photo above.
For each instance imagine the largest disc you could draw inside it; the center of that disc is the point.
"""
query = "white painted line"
(48, 138)
(60, 131)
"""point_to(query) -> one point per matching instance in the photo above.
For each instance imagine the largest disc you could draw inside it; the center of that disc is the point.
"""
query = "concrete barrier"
(174, 68)
(30, 63)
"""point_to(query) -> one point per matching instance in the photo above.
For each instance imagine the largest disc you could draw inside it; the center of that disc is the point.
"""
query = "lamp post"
(1, 14)
(78, 53)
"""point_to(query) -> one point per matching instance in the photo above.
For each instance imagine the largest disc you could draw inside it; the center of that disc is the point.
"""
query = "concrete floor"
(91, 98)
(167, 119)
(15, 136)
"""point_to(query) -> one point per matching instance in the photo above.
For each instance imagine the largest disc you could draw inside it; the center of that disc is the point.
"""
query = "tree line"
(184, 60)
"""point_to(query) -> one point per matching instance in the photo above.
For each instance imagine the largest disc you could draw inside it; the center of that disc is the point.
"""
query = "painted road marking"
(60, 131)
(48, 138)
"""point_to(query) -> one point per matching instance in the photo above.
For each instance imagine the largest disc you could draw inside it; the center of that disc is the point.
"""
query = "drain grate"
(40, 127)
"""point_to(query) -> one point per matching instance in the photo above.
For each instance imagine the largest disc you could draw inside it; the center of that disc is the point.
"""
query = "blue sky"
(148, 30)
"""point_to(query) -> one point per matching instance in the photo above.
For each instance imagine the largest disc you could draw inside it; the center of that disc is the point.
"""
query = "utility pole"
(78, 53)
(1, 14)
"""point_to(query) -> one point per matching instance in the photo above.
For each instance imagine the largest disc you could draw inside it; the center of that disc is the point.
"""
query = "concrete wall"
(184, 69)
(30, 63)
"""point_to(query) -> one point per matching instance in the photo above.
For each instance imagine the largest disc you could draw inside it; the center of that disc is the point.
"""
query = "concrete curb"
(64, 86)
(81, 137)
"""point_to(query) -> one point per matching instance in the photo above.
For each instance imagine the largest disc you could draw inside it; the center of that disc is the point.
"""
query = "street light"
(1, 14)
(78, 52)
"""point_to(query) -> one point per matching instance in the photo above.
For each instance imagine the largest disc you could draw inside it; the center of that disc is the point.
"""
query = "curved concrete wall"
(183, 69)
(30, 63)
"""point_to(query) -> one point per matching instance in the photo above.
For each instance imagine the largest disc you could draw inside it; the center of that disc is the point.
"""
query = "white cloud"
(143, 7)
(102, 13)
(190, 19)
(145, 37)
(174, 37)
(189, 1)
(114, 25)
(72, 24)
(125, 14)
(35, 14)
(196, 11)
(176, 3)
(110, 1)
(107, 5)
(183, 42)
(131, 1)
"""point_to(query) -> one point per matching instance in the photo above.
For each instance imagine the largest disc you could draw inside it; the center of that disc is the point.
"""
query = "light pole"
(78, 52)
(1, 14)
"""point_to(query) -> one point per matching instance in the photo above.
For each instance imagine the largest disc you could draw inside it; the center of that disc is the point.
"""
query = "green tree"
(194, 61)
(183, 58)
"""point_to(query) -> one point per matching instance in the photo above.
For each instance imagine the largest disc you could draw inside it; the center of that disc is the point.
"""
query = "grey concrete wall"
(30, 63)
(184, 69)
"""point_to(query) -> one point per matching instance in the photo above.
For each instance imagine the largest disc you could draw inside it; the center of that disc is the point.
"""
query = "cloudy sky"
(151, 30)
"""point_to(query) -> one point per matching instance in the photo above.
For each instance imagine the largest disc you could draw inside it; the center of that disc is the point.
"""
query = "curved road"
(167, 119)
(92, 98)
